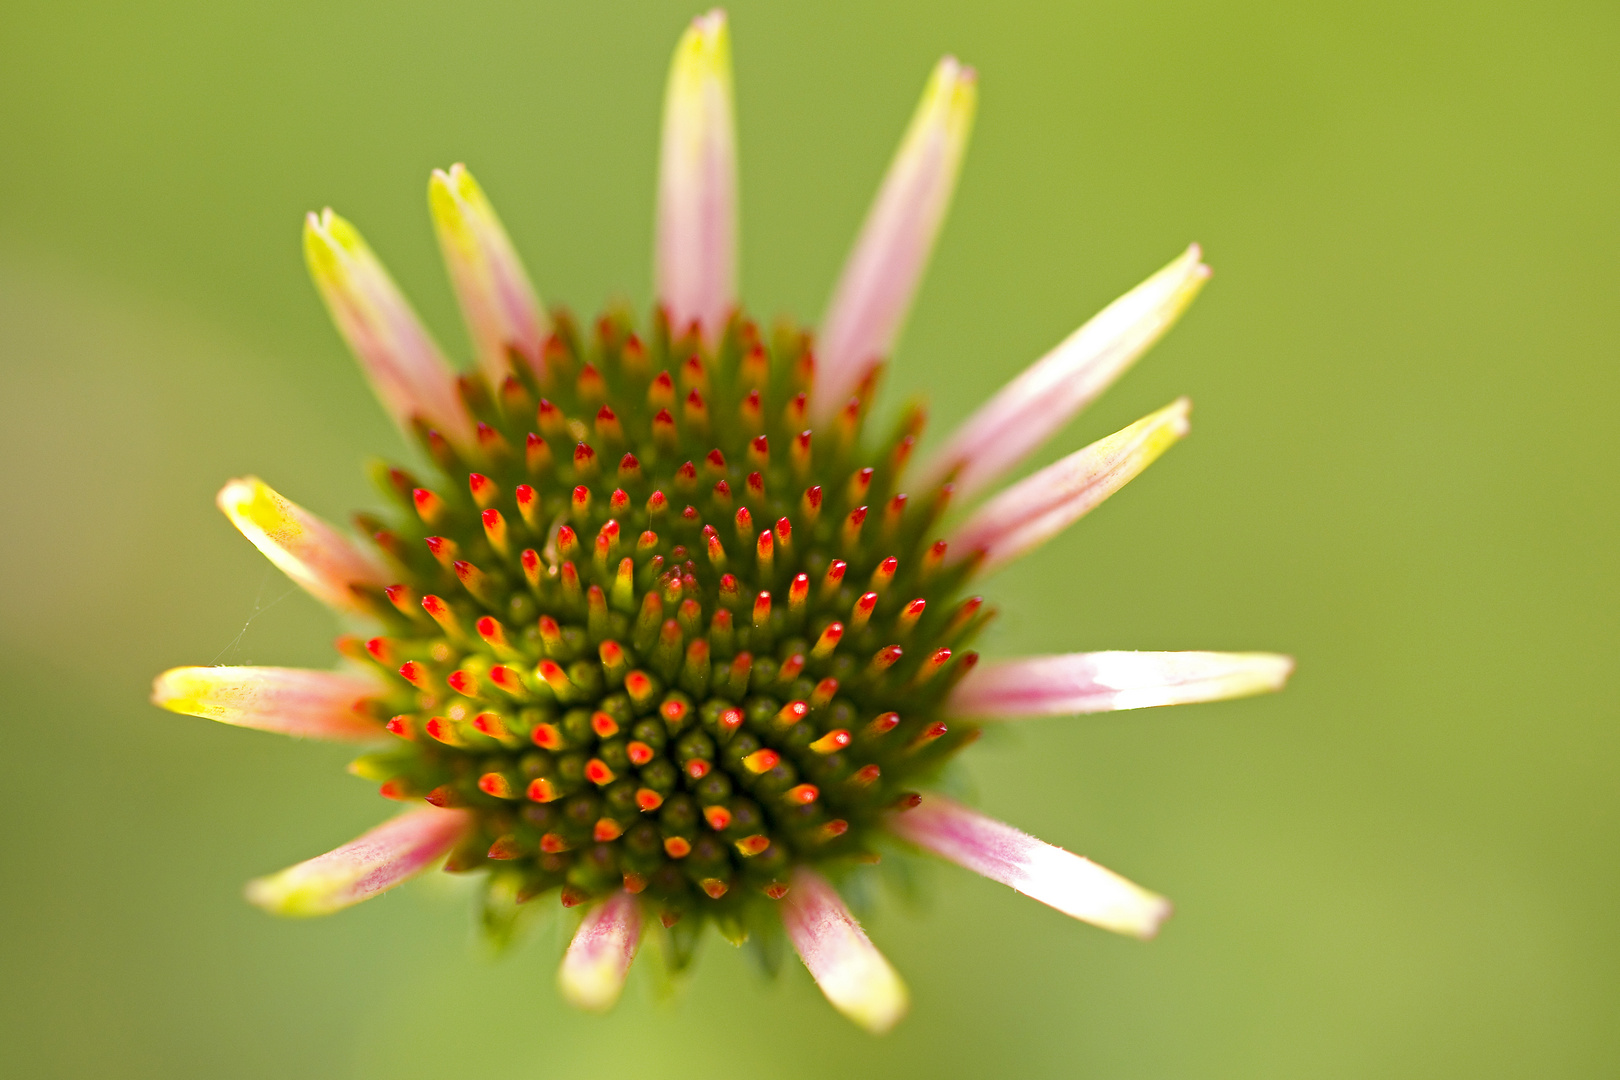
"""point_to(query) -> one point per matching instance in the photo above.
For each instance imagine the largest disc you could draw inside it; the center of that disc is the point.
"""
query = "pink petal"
(1031, 408)
(374, 863)
(1110, 681)
(598, 959)
(405, 367)
(290, 701)
(874, 293)
(503, 313)
(696, 258)
(1073, 885)
(307, 549)
(850, 971)
(1040, 506)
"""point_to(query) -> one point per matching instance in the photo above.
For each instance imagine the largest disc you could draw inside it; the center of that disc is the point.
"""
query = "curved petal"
(1075, 886)
(307, 549)
(880, 278)
(856, 978)
(1110, 681)
(598, 959)
(1030, 409)
(289, 701)
(696, 258)
(1039, 507)
(370, 864)
(503, 313)
(405, 367)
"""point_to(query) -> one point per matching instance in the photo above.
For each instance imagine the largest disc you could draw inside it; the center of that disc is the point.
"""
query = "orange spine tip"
(598, 773)
(797, 408)
(677, 847)
(590, 385)
(445, 797)
(744, 522)
(505, 848)
(798, 593)
(463, 683)
(799, 454)
(604, 725)
(661, 392)
(751, 411)
(927, 735)
(861, 614)
(761, 761)
(824, 692)
(580, 500)
(714, 887)
(731, 719)
(759, 452)
(531, 567)
(542, 790)
(629, 469)
(859, 485)
(506, 680)
(491, 724)
(547, 737)
(495, 784)
(791, 667)
(833, 829)
(910, 614)
(765, 549)
(634, 883)
(692, 373)
(639, 753)
(484, 490)
(568, 539)
(492, 632)
(555, 677)
(883, 724)
(429, 507)
(536, 454)
(810, 504)
(749, 846)
(756, 487)
(573, 896)
(893, 514)
(833, 578)
(606, 831)
(866, 775)
(933, 559)
(884, 574)
(403, 599)
(471, 578)
(648, 800)
(640, 687)
(381, 650)
(696, 411)
(832, 742)
(775, 890)
(792, 713)
(716, 551)
(885, 658)
(608, 428)
(444, 551)
(802, 794)
(395, 789)
(762, 609)
(646, 542)
(828, 641)
(440, 729)
(697, 768)
(851, 534)
(417, 675)
(930, 667)
(718, 817)
(611, 653)
(673, 710)
(401, 726)
(553, 844)
(550, 634)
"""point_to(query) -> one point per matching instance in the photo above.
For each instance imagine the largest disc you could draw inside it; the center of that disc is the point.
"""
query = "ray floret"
(599, 956)
(856, 978)
(1094, 682)
(314, 554)
(289, 701)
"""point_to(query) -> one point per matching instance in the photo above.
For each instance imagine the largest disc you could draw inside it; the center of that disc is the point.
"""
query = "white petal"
(308, 550)
(1075, 886)
(291, 701)
(1031, 408)
(880, 278)
(598, 959)
(371, 864)
(696, 258)
(1037, 508)
(401, 360)
(842, 959)
(1108, 681)
(502, 311)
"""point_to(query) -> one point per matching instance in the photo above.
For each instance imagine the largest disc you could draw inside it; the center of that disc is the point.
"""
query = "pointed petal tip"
(305, 548)
(287, 701)
(1078, 684)
(855, 977)
(594, 969)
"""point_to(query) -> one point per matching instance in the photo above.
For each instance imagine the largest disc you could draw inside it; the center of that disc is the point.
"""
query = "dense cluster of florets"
(665, 637)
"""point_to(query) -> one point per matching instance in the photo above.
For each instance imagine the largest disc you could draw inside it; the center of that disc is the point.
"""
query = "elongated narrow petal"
(405, 367)
(1040, 506)
(308, 550)
(598, 959)
(696, 260)
(503, 313)
(856, 978)
(880, 278)
(291, 701)
(374, 863)
(1110, 681)
(1028, 410)
(1074, 885)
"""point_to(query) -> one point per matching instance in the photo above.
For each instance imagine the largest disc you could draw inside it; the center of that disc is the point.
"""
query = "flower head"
(664, 630)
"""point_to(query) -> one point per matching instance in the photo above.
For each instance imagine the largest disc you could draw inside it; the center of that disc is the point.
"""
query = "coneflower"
(662, 629)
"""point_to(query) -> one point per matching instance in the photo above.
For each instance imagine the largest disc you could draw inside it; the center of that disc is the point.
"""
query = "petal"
(405, 366)
(598, 959)
(362, 868)
(696, 259)
(1040, 506)
(1073, 885)
(881, 276)
(1031, 408)
(850, 971)
(502, 311)
(1109, 681)
(307, 549)
(290, 701)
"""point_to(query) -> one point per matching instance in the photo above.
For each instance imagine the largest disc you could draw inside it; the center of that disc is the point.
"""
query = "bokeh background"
(1402, 471)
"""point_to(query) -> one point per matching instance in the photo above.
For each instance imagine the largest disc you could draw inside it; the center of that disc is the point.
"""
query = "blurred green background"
(1402, 471)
